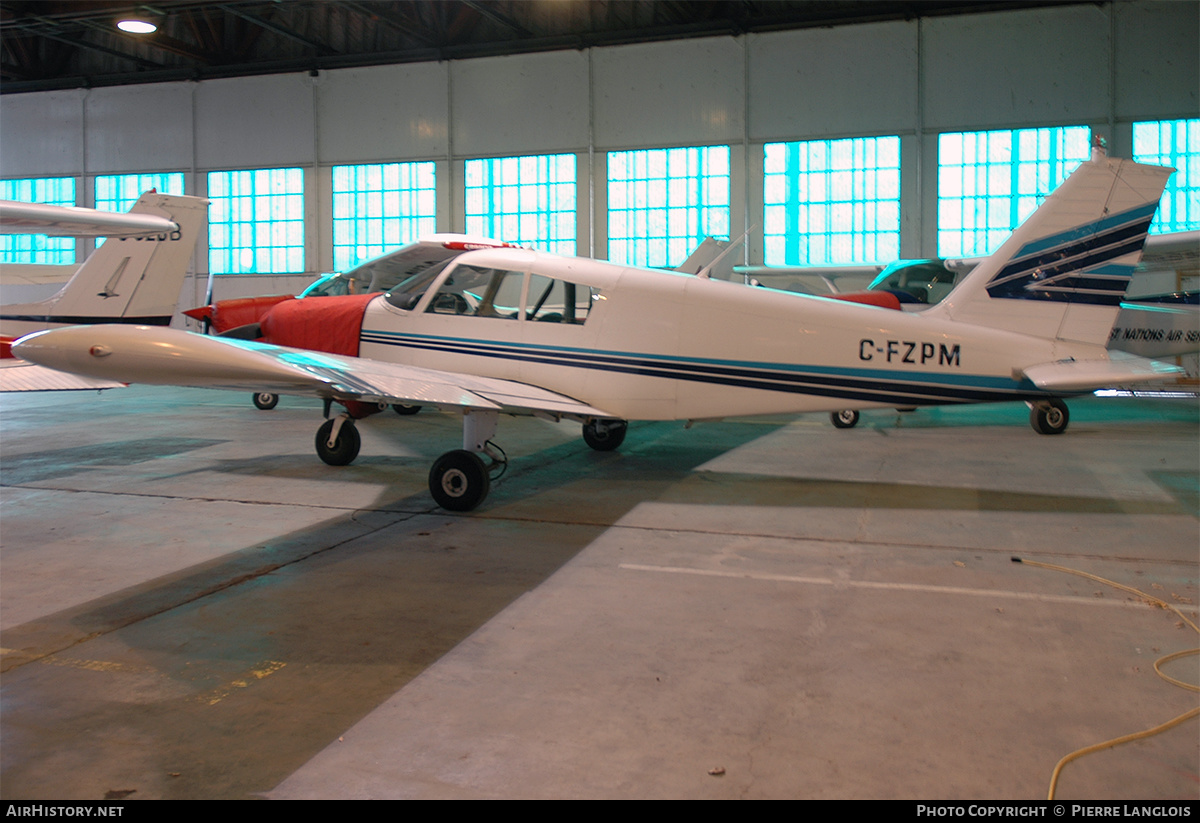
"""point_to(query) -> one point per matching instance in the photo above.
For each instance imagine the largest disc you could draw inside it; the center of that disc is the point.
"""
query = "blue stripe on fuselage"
(873, 385)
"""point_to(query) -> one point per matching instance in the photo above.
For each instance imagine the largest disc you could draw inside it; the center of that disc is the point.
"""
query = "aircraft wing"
(1084, 375)
(18, 376)
(72, 221)
(164, 356)
(821, 280)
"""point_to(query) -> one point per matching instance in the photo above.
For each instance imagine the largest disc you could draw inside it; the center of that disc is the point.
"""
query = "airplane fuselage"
(650, 345)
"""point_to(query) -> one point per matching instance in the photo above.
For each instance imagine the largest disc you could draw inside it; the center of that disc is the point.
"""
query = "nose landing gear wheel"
(845, 419)
(459, 481)
(344, 449)
(404, 409)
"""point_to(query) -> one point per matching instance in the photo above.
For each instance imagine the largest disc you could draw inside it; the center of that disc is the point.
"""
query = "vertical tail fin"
(1062, 273)
(130, 279)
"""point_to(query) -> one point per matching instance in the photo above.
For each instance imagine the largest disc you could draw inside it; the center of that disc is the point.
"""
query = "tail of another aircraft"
(1062, 273)
(126, 280)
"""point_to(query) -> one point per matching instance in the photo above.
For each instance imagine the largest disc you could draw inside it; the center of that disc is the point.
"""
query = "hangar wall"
(1102, 66)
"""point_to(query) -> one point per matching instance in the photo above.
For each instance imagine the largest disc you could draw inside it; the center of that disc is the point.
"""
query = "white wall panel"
(689, 92)
(41, 134)
(849, 80)
(527, 104)
(139, 128)
(1049, 66)
(1158, 60)
(383, 113)
(255, 121)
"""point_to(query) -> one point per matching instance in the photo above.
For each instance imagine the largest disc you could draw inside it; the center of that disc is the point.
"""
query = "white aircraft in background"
(134, 278)
(512, 331)
(1151, 325)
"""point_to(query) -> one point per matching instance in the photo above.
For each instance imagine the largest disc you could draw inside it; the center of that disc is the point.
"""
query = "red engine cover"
(328, 324)
(241, 311)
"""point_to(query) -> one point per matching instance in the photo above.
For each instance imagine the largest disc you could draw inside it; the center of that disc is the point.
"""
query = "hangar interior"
(193, 606)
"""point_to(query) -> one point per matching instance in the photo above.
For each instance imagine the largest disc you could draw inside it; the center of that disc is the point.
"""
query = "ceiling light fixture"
(136, 25)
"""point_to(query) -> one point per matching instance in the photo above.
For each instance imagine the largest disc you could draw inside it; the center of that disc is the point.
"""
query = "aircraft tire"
(605, 435)
(1049, 417)
(344, 450)
(459, 481)
(844, 419)
(265, 400)
(405, 409)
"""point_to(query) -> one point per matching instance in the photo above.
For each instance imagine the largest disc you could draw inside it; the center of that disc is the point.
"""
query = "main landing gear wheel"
(845, 419)
(1049, 417)
(266, 401)
(343, 450)
(604, 435)
(459, 481)
(405, 409)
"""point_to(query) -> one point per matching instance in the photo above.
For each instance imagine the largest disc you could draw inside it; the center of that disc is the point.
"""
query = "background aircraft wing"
(72, 221)
(17, 375)
(164, 356)
(822, 280)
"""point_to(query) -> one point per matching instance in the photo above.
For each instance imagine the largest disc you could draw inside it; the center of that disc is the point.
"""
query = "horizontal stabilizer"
(1084, 375)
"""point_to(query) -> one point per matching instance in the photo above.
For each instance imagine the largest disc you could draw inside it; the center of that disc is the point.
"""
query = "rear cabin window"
(557, 301)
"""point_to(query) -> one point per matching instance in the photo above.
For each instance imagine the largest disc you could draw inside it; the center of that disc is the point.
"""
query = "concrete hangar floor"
(192, 605)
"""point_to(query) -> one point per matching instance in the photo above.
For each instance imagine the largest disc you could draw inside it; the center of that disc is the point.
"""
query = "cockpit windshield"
(409, 292)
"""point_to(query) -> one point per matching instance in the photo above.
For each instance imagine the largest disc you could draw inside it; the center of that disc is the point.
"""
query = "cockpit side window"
(557, 301)
(478, 291)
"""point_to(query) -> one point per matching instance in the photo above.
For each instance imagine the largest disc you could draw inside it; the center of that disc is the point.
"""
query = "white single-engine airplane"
(134, 278)
(512, 331)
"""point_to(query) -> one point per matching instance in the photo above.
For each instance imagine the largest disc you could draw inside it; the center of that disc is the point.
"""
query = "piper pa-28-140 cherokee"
(512, 331)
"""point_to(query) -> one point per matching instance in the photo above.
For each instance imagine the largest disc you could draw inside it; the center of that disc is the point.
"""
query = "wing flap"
(1082, 375)
(19, 376)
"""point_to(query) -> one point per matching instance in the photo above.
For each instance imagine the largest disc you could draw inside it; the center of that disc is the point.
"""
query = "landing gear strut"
(460, 480)
(1049, 416)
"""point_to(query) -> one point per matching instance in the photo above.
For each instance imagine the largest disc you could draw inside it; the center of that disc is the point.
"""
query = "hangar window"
(118, 192)
(38, 248)
(663, 202)
(379, 207)
(989, 181)
(1173, 143)
(524, 200)
(831, 201)
(256, 221)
